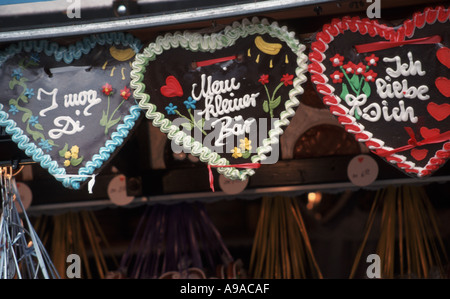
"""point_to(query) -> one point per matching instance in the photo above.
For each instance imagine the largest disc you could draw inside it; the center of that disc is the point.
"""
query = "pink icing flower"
(372, 60)
(125, 93)
(337, 60)
(349, 67)
(287, 79)
(370, 76)
(337, 77)
(264, 79)
(360, 68)
(107, 89)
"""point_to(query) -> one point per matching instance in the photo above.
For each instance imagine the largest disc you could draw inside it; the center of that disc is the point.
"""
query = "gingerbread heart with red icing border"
(389, 85)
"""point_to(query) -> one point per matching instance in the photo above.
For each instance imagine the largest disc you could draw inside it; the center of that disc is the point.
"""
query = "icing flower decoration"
(337, 77)
(245, 144)
(360, 68)
(29, 93)
(236, 152)
(370, 76)
(349, 68)
(337, 60)
(372, 60)
(190, 103)
(107, 89)
(13, 109)
(45, 145)
(171, 109)
(264, 79)
(75, 149)
(68, 155)
(287, 79)
(71, 156)
(33, 120)
(125, 93)
(17, 73)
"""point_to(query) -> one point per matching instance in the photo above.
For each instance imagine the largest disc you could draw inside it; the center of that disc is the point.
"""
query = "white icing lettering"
(411, 69)
(53, 105)
(69, 123)
(374, 112)
(81, 99)
(228, 128)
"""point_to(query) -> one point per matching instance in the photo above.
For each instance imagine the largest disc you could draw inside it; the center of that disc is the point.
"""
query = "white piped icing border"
(198, 42)
(372, 28)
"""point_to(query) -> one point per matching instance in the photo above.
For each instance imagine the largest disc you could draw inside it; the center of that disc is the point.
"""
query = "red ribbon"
(214, 61)
(243, 165)
(412, 142)
(377, 46)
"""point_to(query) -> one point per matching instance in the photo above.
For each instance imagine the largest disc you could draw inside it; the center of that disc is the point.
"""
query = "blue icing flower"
(29, 93)
(17, 73)
(171, 109)
(33, 120)
(13, 109)
(35, 57)
(45, 145)
(190, 103)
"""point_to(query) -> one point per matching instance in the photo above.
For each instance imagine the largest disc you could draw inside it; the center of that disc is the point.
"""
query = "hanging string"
(22, 254)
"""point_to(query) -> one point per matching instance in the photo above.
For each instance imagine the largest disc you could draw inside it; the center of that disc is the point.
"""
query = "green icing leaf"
(274, 104)
(354, 81)
(266, 106)
(366, 89)
(344, 92)
(38, 126)
(246, 154)
(188, 125)
(76, 162)
(64, 150)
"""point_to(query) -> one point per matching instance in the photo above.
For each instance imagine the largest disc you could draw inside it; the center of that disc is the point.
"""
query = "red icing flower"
(337, 77)
(349, 67)
(372, 60)
(370, 76)
(337, 60)
(287, 79)
(264, 79)
(107, 89)
(360, 68)
(125, 93)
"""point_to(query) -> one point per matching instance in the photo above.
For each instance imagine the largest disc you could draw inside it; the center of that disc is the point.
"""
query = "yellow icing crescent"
(121, 54)
(265, 47)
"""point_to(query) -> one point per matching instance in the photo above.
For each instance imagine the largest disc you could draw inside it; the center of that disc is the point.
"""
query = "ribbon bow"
(412, 142)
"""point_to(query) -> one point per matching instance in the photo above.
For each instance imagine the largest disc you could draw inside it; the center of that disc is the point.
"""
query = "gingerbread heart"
(388, 85)
(69, 108)
(239, 88)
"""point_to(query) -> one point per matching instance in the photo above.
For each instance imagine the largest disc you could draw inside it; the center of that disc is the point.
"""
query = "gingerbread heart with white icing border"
(217, 95)
(70, 107)
(388, 85)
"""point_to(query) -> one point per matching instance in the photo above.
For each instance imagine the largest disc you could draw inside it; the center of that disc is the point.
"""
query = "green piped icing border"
(206, 43)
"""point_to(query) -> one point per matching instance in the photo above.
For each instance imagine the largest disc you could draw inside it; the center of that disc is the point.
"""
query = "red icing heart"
(439, 112)
(428, 133)
(172, 88)
(443, 84)
(419, 154)
(443, 55)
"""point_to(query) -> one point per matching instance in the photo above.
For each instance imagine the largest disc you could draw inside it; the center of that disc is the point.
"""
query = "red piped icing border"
(372, 28)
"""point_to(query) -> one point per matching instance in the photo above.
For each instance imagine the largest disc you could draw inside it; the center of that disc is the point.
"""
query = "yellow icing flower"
(236, 152)
(66, 163)
(75, 149)
(75, 155)
(67, 155)
(245, 144)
